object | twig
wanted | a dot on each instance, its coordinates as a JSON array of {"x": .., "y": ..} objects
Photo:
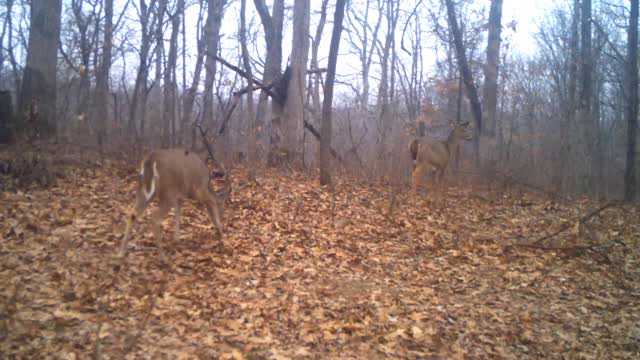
[
  {"x": 298, "y": 207},
  {"x": 582, "y": 220}
]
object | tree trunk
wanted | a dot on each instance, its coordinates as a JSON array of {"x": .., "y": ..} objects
[
  {"x": 291, "y": 126},
  {"x": 38, "y": 92},
  {"x": 102, "y": 80},
  {"x": 212, "y": 32},
  {"x": 589, "y": 126},
  {"x": 143, "y": 67},
  {"x": 169, "y": 108},
  {"x": 467, "y": 77},
  {"x": 490, "y": 91},
  {"x": 272, "y": 25},
  {"x": 190, "y": 95},
  {"x": 252, "y": 154},
  {"x": 326, "y": 130},
  {"x": 630, "y": 186},
  {"x": 387, "y": 66}
]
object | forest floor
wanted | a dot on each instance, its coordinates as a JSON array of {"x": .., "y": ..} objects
[{"x": 303, "y": 271}]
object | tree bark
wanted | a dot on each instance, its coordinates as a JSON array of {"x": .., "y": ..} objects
[
  {"x": 143, "y": 67},
  {"x": 294, "y": 104},
  {"x": 190, "y": 94},
  {"x": 630, "y": 185},
  {"x": 102, "y": 80},
  {"x": 251, "y": 124},
  {"x": 272, "y": 25},
  {"x": 169, "y": 108},
  {"x": 212, "y": 33},
  {"x": 586, "y": 92},
  {"x": 467, "y": 77},
  {"x": 490, "y": 92},
  {"x": 326, "y": 130},
  {"x": 38, "y": 92}
]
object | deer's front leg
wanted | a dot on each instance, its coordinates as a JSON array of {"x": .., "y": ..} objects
[
  {"x": 416, "y": 178},
  {"x": 157, "y": 217},
  {"x": 140, "y": 207},
  {"x": 212, "y": 209},
  {"x": 176, "y": 229}
]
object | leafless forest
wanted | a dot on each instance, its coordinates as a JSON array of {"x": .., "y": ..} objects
[{"x": 373, "y": 178}]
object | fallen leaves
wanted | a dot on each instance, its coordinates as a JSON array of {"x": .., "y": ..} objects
[{"x": 303, "y": 272}]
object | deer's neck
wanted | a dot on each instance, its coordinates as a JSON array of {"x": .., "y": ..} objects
[{"x": 451, "y": 143}]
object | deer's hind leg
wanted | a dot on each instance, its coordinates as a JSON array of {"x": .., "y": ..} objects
[{"x": 156, "y": 218}]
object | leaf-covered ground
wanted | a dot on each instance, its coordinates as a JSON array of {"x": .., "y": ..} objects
[{"x": 306, "y": 272}]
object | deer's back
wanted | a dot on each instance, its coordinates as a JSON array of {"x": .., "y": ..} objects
[
  {"x": 181, "y": 172},
  {"x": 432, "y": 152}
]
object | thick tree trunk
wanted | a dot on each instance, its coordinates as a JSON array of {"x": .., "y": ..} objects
[
  {"x": 291, "y": 126},
  {"x": 630, "y": 185},
  {"x": 272, "y": 25},
  {"x": 326, "y": 130},
  {"x": 490, "y": 92},
  {"x": 38, "y": 92}
]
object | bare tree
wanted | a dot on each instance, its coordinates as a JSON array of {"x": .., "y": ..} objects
[
  {"x": 630, "y": 185},
  {"x": 190, "y": 95},
  {"x": 490, "y": 92},
  {"x": 272, "y": 25},
  {"x": 586, "y": 93},
  {"x": 38, "y": 92},
  {"x": 326, "y": 130},
  {"x": 291, "y": 125},
  {"x": 102, "y": 80},
  {"x": 363, "y": 41},
  {"x": 467, "y": 77},
  {"x": 215, "y": 12},
  {"x": 247, "y": 68},
  {"x": 169, "y": 111},
  {"x": 147, "y": 22}
]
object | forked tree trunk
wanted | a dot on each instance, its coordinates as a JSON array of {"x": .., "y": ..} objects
[{"x": 272, "y": 25}]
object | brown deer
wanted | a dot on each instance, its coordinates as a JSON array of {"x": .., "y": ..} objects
[
  {"x": 171, "y": 175},
  {"x": 428, "y": 152}
]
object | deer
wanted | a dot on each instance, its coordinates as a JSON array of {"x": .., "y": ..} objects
[
  {"x": 169, "y": 176},
  {"x": 427, "y": 152}
]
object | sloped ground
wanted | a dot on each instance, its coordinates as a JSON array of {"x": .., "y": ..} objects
[{"x": 305, "y": 273}]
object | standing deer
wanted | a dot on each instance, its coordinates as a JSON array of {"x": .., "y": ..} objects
[
  {"x": 171, "y": 175},
  {"x": 429, "y": 152}
]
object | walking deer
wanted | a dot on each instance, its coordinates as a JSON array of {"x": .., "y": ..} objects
[
  {"x": 170, "y": 176},
  {"x": 428, "y": 152}
]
